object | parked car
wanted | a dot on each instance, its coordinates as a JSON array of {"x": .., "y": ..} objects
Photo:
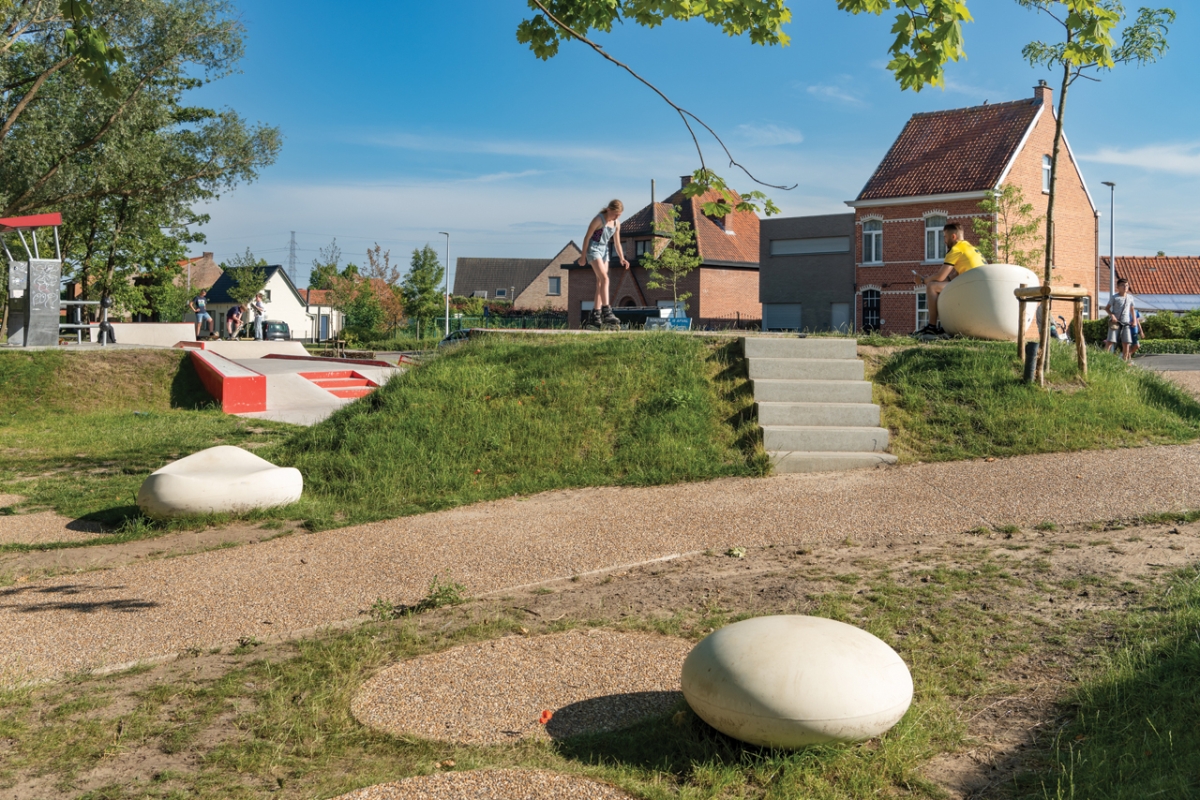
[
  {"x": 276, "y": 330},
  {"x": 455, "y": 337}
]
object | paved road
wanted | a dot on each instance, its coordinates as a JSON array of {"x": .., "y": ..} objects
[
  {"x": 284, "y": 586},
  {"x": 1170, "y": 363}
]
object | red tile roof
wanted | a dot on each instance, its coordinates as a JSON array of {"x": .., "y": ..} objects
[
  {"x": 1155, "y": 274},
  {"x": 315, "y": 297},
  {"x": 961, "y": 150},
  {"x": 714, "y": 243}
]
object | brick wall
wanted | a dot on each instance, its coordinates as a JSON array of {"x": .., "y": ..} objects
[
  {"x": 727, "y": 294},
  {"x": 718, "y": 293}
]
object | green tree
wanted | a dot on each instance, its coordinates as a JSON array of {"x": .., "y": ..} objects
[
  {"x": 325, "y": 266},
  {"x": 1088, "y": 46},
  {"x": 246, "y": 272},
  {"x": 112, "y": 143},
  {"x": 1012, "y": 234},
  {"x": 421, "y": 289},
  {"x": 677, "y": 259}
]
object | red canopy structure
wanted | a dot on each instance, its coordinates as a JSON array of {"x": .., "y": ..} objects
[{"x": 28, "y": 223}]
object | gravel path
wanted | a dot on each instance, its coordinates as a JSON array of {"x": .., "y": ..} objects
[
  {"x": 44, "y": 526},
  {"x": 496, "y": 691},
  {"x": 1188, "y": 381},
  {"x": 55, "y": 626},
  {"x": 490, "y": 784}
]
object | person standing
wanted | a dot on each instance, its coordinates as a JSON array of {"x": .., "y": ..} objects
[
  {"x": 199, "y": 305},
  {"x": 1121, "y": 320},
  {"x": 961, "y": 256},
  {"x": 605, "y": 227},
  {"x": 260, "y": 315}
]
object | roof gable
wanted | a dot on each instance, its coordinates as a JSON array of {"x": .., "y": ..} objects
[
  {"x": 490, "y": 274},
  {"x": 946, "y": 152},
  {"x": 219, "y": 292},
  {"x": 732, "y": 240}
]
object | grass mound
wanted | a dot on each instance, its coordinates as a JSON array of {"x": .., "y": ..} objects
[
  {"x": 506, "y": 416},
  {"x": 966, "y": 400}
]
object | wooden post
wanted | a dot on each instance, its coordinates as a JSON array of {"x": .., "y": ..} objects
[
  {"x": 1021, "y": 329},
  {"x": 1080, "y": 344}
]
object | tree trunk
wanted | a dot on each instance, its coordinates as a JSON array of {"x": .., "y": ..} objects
[{"x": 1044, "y": 333}]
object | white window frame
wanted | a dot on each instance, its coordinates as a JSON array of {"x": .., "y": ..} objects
[
  {"x": 501, "y": 293},
  {"x": 872, "y": 239},
  {"x": 1047, "y": 165},
  {"x": 554, "y": 285},
  {"x": 922, "y": 310},
  {"x": 935, "y": 242},
  {"x": 1087, "y": 308}
]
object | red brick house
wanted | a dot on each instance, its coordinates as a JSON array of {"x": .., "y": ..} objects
[
  {"x": 1158, "y": 283},
  {"x": 937, "y": 171},
  {"x": 725, "y": 286},
  {"x": 199, "y": 272}
]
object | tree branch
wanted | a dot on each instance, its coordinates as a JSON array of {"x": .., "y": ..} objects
[{"x": 683, "y": 112}]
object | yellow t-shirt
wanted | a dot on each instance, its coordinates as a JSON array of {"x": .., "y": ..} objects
[{"x": 963, "y": 256}]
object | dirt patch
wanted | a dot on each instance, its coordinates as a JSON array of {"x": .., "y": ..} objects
[
  {"x": 44, "y": 527},
  {"x": 1065, "y": 586},
  {"x": 1188, "y": 381}
]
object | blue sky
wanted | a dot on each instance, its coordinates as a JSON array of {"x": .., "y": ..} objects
[{"x": 402, "y": 119}]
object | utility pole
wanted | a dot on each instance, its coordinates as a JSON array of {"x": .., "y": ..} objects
[{"x": 292, "y": 258}]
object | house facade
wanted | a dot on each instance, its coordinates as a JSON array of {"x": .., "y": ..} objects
[
  {"x": 532, "y": 284},
  {"x": 939, "y": 170},
  {"x": 327, "y": 321},
  {"x": 283, "y": 301},
  {"x": 1158, "y": 283},
  {"x": 198, "y": 272},
  {"x": 806, "y": 273},
  {"x": 725, "y": 291}
]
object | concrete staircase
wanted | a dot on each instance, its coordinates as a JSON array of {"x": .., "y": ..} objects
[{"x": 814, "y": 407}]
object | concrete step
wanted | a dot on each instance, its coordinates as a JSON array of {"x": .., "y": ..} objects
[
  {"x": 801, "y": 461},
  {"x": 795, "y": 347},
  {"x": 781, "y": 391},
  {"x": 824, "y": 439},
  {"x": 799, "y": 369},
  {"x": 836, "y": 415}
]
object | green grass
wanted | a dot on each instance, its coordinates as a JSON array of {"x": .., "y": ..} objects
[
  {"x": 1133, "y": 731},
  {"x": 489, "y": 419},
  {"x": 518, "y": 415},
  {"x": 959, "y": 400}
]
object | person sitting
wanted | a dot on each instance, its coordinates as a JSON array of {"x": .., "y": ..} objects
[
  {"x": 233, "y": 322},
  {"x": 961, "y": 256}
]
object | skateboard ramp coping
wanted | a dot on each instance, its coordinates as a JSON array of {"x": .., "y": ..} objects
[{"x": 237, "y": 388}]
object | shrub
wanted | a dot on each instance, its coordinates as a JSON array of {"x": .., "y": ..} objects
[
  {"x": 1163, "y": 325},
  {"x": 1152, "y": 347},
  {"x": 1095, "y": 330}
]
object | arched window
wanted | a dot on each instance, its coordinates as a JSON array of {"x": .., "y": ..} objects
[
  {"x": 872, "y": 242},
  {"x": 1046, "y": 164},
  {"x": 935, "y": 243},
  {"x": 870, "y": 310}
]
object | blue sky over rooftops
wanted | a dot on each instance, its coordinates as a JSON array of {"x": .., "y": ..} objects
[{"x": 403, "y": 119}]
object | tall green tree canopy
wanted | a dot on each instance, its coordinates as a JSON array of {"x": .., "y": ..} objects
[
  {"x": 110, "y": 142},
  {"x": 421, "y": 288}
]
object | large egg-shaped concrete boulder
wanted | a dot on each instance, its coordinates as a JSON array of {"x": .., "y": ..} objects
[
  {"x": 980, "y": 303},
  {"x": 792, "y": 681},
  {"x": 218, "y": 480}
]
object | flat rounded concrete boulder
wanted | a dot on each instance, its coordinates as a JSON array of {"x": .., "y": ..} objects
[
  {"x": 793, "y": 681},
  {"x": 980, "y": 303},
  {"x": 218, "y": 480}
]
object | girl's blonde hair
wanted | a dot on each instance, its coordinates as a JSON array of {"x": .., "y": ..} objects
[{"x": 613, "y": 205}]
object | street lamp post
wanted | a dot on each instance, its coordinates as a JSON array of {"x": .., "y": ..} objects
[
  {"x": 446, "y": 331},
  {"x": 1112, "y": 235}
]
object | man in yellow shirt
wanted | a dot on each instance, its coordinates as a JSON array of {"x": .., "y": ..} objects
[{"x": 961, "y": 256}]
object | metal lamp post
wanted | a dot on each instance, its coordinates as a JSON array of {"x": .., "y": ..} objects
[
  {"x": 447, "y": 289},
  {"x": 1112, "y": 235}
]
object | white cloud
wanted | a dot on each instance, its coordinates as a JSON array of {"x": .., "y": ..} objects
[
  {"x": 1179, "y": 159},
  {"x": 769, "y": 135},
  {"x": 506, "y": 176},
  {"x": 835, "y": 94},
  {"x": 979, "y": 93},
  {"x": 500, "y": 147}
]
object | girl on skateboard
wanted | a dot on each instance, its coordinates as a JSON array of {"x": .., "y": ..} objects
[{"x": 605, "y": 226}]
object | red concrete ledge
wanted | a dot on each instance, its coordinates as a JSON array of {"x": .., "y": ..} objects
[
  {"x": 366, "y": 362},
  {"x": 238, "y": 389}
]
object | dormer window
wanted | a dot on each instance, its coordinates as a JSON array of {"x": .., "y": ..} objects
[{"x": 641, "y": 246}]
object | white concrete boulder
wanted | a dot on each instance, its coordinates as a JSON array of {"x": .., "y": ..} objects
[
  {"x": 980, "y": 303},
  {"x": 793, "y": 681},
  {"x": 218, "y": 480}
]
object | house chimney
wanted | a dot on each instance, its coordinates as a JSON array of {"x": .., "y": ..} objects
[
  {"x": 684, "y": 180},
  {"x": 1042, "y": 93}
]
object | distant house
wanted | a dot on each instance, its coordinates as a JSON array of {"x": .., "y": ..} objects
[
  {"x": 937, "y": 171},
  {"x": 283, "y": 301},
  {"x": 529, "y": 283},
  {"x": 327, "y": 321},
  {"x": 198, "y": 272},
  {"x": 1160, "y": 283},
  {"x": 806, "y": 273},
  {"x": 725, "y": 286}
]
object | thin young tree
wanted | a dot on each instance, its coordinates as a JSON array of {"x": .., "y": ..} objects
[
  {"x": 1010, "y": 234},
  {"x": 246, "y": 272},
  {"x": 677, "y": 259},
  {"x": 1088, "y": 46}
]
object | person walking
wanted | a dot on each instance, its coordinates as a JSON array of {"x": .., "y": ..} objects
[
  {"x": 604, "y": 228},
  {"x": 260, "y": 315},
  {"x": 199, "y": 305},
  {"x": 1121, "y": 320}
]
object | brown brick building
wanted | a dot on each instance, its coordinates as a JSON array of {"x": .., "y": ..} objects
[
  {"x": 725, "y": 286},
  {"x": 937, "y": 171}
]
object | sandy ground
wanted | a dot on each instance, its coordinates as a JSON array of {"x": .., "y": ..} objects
[{"x": 287, "y": 586}]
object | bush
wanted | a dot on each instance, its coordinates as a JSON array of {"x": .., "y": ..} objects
[
  {"x": 1163, "y": 325},
  {"x": 1154, "y": 347},
  {"x": 1095, "y": 330}
]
